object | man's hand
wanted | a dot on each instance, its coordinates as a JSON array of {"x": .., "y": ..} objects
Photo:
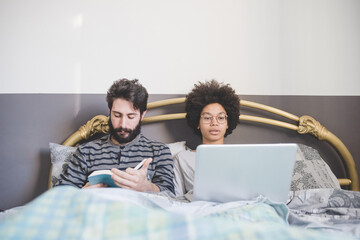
[
  {"x": 134, "y": 179},
  {"x": 99, "y": 185}
]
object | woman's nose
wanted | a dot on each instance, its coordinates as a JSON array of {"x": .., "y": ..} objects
[{"x": 213, "y": 121}]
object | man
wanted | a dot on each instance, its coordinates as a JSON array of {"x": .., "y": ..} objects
[{"x": 124, "y": 148}]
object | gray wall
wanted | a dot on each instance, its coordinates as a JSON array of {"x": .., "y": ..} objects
[{"x": 30, "y": 121}]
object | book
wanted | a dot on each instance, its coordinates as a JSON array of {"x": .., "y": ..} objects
[{"x": 102, "y": 176}]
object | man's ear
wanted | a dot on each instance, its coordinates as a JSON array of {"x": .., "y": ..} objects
[{"x": 143, "y": 114}]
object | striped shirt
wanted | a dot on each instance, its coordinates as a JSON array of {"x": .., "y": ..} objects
[{"x": 103, "y": 154}]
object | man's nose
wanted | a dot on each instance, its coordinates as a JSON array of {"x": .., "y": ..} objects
[{"x": 123, "y": 122}]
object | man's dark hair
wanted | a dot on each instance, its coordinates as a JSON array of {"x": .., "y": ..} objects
[
  {"x": 130, "y": 90},
  {"x": 212, "y": 92}
]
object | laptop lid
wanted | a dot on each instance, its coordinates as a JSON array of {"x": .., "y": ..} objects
[{"x": 233, "y": 172}]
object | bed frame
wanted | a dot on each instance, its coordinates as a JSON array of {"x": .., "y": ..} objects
[{"x": 302, "y": 125}]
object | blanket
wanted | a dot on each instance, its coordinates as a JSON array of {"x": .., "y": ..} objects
[
  {"x": 68, "y": 213},
  {"x": 329, "y": 209}
]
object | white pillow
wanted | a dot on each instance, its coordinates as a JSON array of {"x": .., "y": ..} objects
[
  {"x": 60, "y": 156},
  {"x": 311, "y": 171},
  {"x": 177, "y": 147}
]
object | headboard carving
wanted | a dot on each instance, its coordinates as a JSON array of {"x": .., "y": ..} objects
[
  {"x": 94, "y": 126},
  {"x": 308, "y": 124},
  {"x": 98, "y": 124}
]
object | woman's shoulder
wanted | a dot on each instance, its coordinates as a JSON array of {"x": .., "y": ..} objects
[
  {"x": 184, "y": 154},
  {"x": 185, "y": 158}
]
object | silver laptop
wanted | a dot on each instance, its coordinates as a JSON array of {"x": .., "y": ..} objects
[{"x": 233, "y": 172}]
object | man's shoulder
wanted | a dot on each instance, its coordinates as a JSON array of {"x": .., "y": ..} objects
[
  {"x": 145, "y": 141},
  {"x": 96, "y": 143}
]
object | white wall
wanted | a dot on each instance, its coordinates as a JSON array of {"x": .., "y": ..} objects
[{"x": 289, "y": 47}]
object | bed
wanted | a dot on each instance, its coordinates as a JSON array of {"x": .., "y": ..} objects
[{"x": 320, "y": 205}]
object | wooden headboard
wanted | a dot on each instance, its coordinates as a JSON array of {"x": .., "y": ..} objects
[{"x": 301, "y": 125}]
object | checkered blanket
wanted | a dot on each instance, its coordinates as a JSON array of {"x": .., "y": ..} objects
[{"x": 69, "y": 213}]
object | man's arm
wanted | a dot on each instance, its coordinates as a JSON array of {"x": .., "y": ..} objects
[
  {"x": 75, "y": 173},
  {"x": 135, "y": 179},
  {"x": 164, "y": 170}
]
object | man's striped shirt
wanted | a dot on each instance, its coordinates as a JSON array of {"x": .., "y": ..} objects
[{"x": 103, "y": 154}]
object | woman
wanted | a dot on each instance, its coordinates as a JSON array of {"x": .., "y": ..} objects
[{"x": 212, "y": 111}]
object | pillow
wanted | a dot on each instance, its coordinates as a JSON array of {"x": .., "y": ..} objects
[
  {"x": 177, "y": 147},
  {"x": 60, "y": 156},
  {"x": 311, "y": 171}
]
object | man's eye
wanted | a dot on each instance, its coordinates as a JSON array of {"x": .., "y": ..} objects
[
  {"x": 117, "y": 115},
  {"x": 131, "y": 116},
  {"x": 221, "y": 118},
  {"x": 207, "y": 118}
]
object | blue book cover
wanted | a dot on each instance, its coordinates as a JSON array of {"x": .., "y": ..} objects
[{"x": 101, "y": 176}]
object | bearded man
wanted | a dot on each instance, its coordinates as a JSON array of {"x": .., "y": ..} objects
[{"x": 124, "y": 148}]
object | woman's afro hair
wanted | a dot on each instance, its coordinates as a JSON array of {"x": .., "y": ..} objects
[{"x": 209, "y": 92}]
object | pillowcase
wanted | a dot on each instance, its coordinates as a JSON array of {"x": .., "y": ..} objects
[
  {"x": 177, "y": 147},
  {"x": 60, "y": 156},
  {"x": 311, "y": 171}
]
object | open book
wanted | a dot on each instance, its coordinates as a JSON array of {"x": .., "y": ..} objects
[{"x": 101, "y": 176}]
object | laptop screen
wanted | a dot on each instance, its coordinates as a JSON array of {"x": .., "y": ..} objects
[{"x": 233, "y": 172}]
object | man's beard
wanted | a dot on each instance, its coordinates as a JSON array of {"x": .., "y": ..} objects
[{"x": 132, "y": 133}]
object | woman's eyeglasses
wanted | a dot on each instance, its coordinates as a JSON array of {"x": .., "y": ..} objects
[{"x": 207, "y": 118}]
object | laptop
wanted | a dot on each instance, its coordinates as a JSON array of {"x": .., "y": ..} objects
[{"x": 234, "y": 172}]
